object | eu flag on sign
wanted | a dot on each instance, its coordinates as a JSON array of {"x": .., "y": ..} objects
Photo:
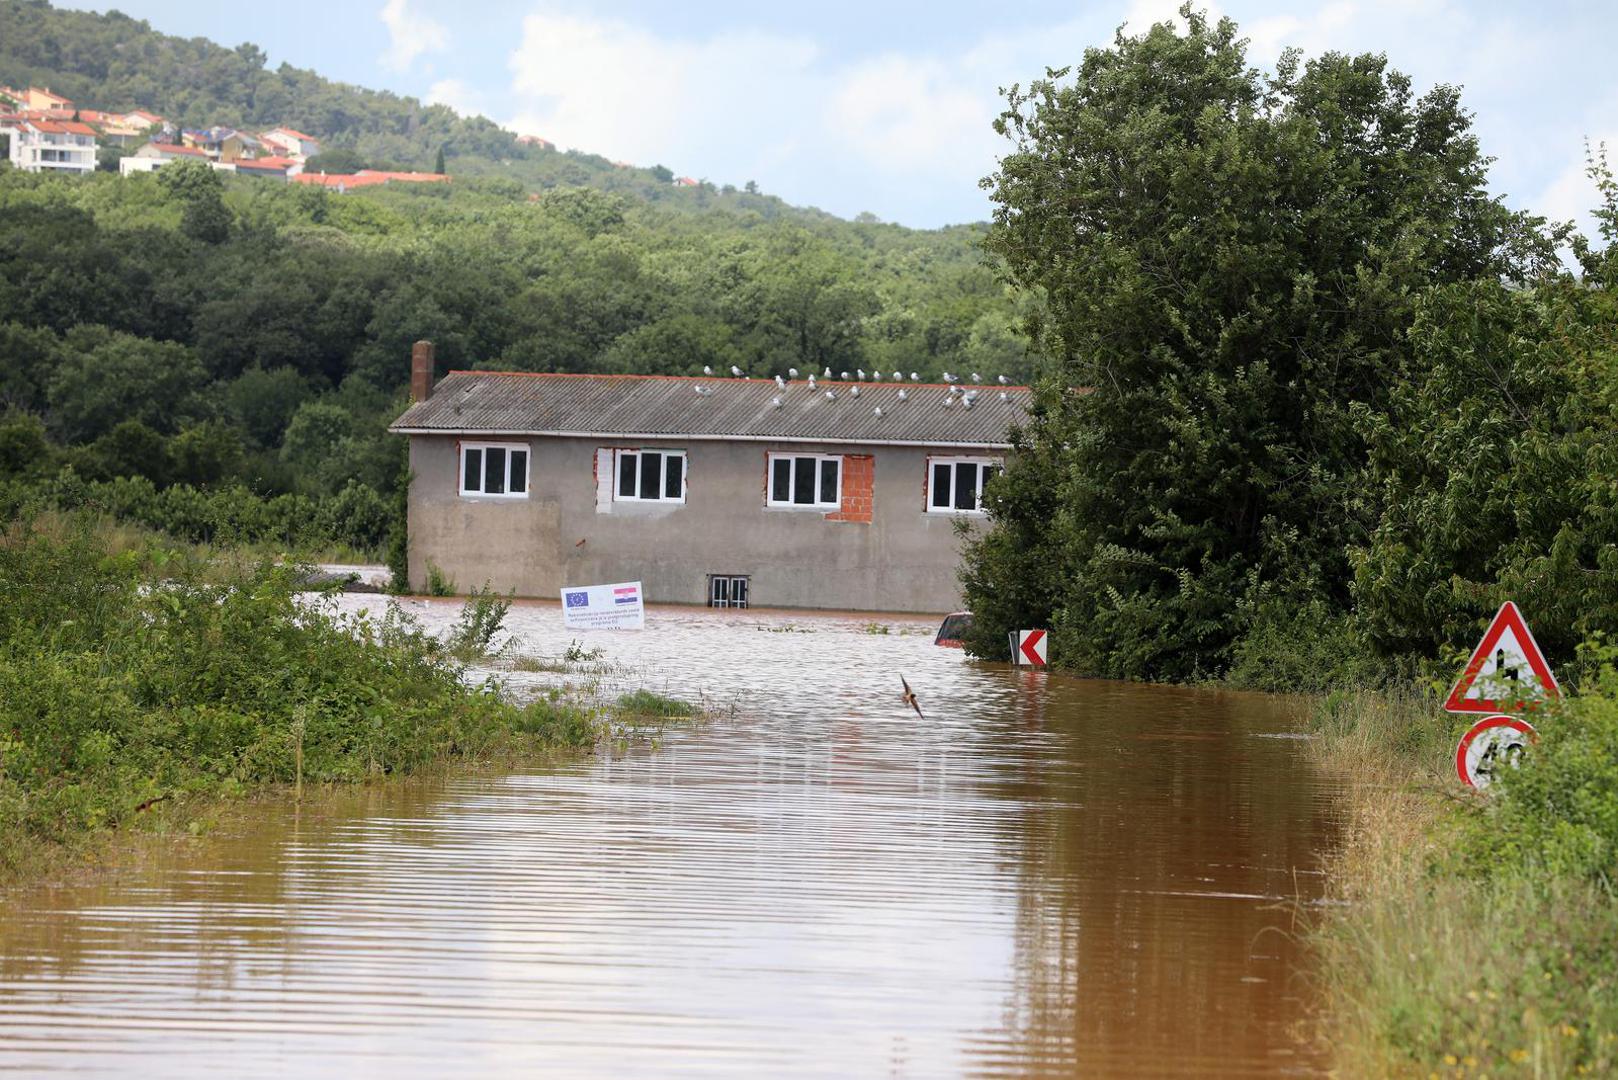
[{"x": 578, "y": 599}]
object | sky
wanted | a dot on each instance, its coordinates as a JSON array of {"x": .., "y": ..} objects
[{"x": 886, "y": 107}]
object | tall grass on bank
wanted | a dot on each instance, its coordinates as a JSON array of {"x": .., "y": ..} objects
[
  {"x": 138, "y": 679},
  {"x": 1472, "y": 934}
]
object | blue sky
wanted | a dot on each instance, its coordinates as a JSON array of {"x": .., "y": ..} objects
[{"x": 885, "y": 107}]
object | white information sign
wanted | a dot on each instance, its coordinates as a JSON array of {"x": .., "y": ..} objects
[{"x": 604, "y": 607}]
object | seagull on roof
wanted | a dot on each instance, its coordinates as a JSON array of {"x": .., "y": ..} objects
[
  {"x": 811, "y": 380},
  {"x": 1004, "y": 381},
  {"x": 854, "y": 390},
  {"x": 915, "y": 377},
  {"x": 952, "y": 391},
  {"x": 845, "y": 376},
  {"x": 831, "y": 395},
  {"x": 948, "y": 400},
  {"x": 904, "y": 395},
  {"x": 826, "y": 374},
  {"x": 971, "y": 395},
  {"x": 792, "y": 373},
  {"x": 735, "y": 371},
  {"x": 876, "y": 376},
  {"x": 780, "y": 382},
  {"x": 877, "y": 412},
  {"x": 706, "y": 370},
  {"x": 775, "y": 403},
  {"x": 1004, "y": 396},
  {"x": 861, "y": 373},
  {"x": 703, "y": 390},
  {"x": 898, "y": 376},
  {"x": 976, "y": 377},
  {"x": 968, "y": 403},
  {"x": 949, "y": 378}
]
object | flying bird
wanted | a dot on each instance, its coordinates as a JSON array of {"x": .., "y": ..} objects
[{"x": 910, "y": 697}]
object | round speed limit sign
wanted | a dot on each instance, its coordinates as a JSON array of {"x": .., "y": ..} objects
[{"x": 1491, "y": 744}]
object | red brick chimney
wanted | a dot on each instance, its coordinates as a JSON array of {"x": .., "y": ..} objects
[{"x": 421, "y": 371}]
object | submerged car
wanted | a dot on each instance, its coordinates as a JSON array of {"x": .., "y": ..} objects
[{"x": 953, "y": 630}]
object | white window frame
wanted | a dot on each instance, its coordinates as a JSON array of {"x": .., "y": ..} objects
[
  {"x": 662, "y": 481},
  {"x": 792, "y": 482},
  {"x": 508, "y": 447},
  {"x": 954, "y": 462}
]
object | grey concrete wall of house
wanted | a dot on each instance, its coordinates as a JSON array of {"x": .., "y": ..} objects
[{"x": 904, "y": 560}]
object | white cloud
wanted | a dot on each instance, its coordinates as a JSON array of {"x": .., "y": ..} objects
[
  {"x": 410, "y": 34},
  {"x": 458, "y": 95}
]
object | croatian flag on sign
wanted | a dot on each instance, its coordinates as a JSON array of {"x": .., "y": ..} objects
[{"x": 626, "y": 595}]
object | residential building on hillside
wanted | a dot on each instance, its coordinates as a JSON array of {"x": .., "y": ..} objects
[
  {"x": 726, "y": 492},
  {"x": 51, "y": 145},
  {"x": 346, "y": 182},
  {"x": 36, "y": 98},
  {"x": 292, "y": 142},
  {"x": 222, "y": 143},
  {"x": 142, "y": 119},
  {"x": 154, "y": 155}
]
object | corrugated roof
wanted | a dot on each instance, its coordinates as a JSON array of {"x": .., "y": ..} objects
[{"x": 484, "y": 402}]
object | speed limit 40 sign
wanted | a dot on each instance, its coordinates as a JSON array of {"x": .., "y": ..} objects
[{"x": 1490, "y": 745}]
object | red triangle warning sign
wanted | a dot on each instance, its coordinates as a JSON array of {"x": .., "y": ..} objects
[{"x": 1507, "y": 672}]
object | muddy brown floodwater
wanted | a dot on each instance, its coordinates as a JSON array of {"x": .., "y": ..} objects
[{"x": 1047, "y": 877}]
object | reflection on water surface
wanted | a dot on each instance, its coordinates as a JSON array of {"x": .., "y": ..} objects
[{"x": 1047, "y": 877}]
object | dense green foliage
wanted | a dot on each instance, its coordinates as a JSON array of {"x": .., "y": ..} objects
[
  {"x": 1298, "y": 390},
  {"x": 130, "y": 680}
]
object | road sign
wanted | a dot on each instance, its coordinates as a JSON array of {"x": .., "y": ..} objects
[
  {"x": 1029, "y": 648},
  {"x": 1507, "y": 671},
  {"x": 1489, "y": 744}
]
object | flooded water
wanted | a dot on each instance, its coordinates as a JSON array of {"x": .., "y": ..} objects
[{"x": 1045, "y": 877}]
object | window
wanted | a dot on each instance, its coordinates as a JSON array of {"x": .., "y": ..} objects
[
  {"x": 955, "y": 485},
  {"x": 805, "y": 480},
  {"x": 651, "y": 475},
  {"x": 495, "y": 469},
  {"x": 727, "y": 590}
]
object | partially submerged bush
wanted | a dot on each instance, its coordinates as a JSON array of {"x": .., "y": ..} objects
[
  {"x": 645, "y": 703},
  {"x": 118, "y": 689}
]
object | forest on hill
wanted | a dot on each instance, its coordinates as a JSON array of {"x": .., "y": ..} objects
[{"x": 113, "y": 62}]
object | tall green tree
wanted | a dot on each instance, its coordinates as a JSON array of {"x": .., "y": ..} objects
[{"x": 1227, "y": 264}]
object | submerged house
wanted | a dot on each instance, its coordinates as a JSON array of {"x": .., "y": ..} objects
[{"x": 725, "y": 492}]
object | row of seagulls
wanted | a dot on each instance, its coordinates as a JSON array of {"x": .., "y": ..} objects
[{"x": 859, "y": 374}]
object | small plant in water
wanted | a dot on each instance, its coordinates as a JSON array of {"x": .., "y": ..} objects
[
  {"x": 479, "y": 622},
  {"x": 438, "y": 584},
  {"x": 578, "y": 654},
  {"x": 876, "y": 628}
]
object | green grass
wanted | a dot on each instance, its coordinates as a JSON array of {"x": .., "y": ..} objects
[
  {"x": 644, "y": 704},
  {"x": 1473, "y": 935},
  {"x": 134, "y": 678}
]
